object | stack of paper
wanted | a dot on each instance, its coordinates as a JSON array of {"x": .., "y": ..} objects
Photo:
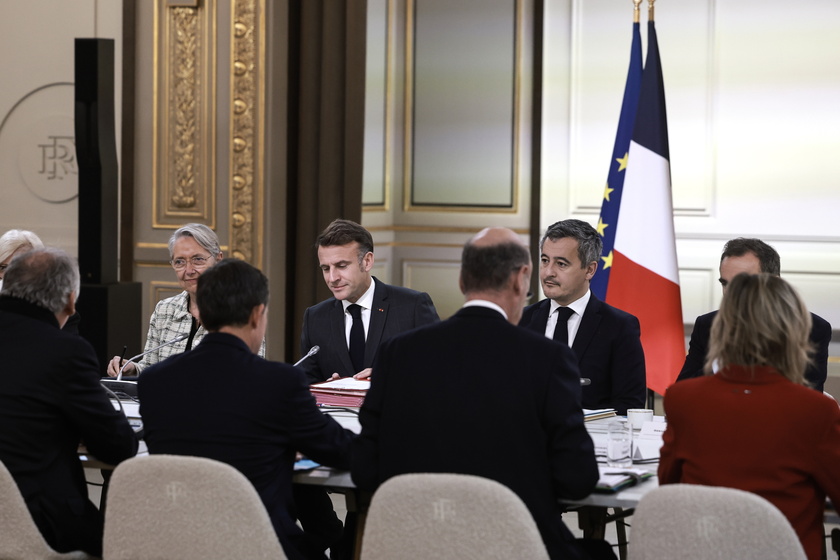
[
  {"x": 341, "y": 392},
  {"x": 597, "y": 414}
]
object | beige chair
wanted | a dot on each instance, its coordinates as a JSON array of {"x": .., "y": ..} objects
[
  {"x": 710, "y": 523},
  {"x": 448, "y": 516},
  {"x": 20, "y": 538},
  {"x": 190, "y": 508}
]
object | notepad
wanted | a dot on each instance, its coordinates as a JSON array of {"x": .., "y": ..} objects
[{"x": 614, "y": 479}]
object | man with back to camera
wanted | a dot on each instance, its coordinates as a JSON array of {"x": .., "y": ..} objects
[
  {"x": 345, "y": 256},
  {"x": 254, "y": 414},
  {"x": 753, "y": 256},
  {"x": 51, "y": 399},
  {"x": 605, "y": 339},
  {"x": 349, "y": 328},
  {"x": 472, "y": 406}
]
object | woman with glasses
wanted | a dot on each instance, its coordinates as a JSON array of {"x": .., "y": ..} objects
[{"x": 193, "y": 248}]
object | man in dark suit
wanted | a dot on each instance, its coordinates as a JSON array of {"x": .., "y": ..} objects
[
  {"x": 753, "y": 256},
  {"x": 453, "y": 397},
  {"x": 222, "y": 401},
  {"x": 345, "y": 255},
  {"x": 349, "y": 328},
  {"x": 51, "y": 399},
  {"x": 605, "y": 340}
]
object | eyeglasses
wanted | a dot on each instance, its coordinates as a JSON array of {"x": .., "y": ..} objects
[{"x": 197, "y": 262}]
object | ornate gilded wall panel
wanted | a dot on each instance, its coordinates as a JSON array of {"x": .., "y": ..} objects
[
  {"x": 184, "y": 188},
  {"x": 247, "y": 76}
]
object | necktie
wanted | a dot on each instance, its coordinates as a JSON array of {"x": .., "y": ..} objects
[
  {"x": 561, "y": 329},
  {"x": 357, "y": 338}
]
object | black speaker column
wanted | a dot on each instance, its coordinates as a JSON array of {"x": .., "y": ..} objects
[{"x": 110, "y": 310}]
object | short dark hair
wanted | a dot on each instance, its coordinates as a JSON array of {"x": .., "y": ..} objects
[
  {"x": 344, "y": 232},
  {"x": 43, "y": 277},
  {"x": 227, "y": 293},
  {"x": 489, "y": 267},
  {"x": 589, "y": 241},
  {"x": 768, "y": 258}
]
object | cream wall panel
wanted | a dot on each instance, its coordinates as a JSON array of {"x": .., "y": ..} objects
[
  {"x": 462, "y": 140},
  {"x": 439, "y": 279},
  {"x": 40, "y": 185},
  {"x": 480, "y": 128}
]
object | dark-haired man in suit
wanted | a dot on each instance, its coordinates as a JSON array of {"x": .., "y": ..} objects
[
  {"x": 349, "y": 328},
  {"x": 475, "y": 407},
  {"x": 248, "y": 412},
  {"x": 753, "y": 256},
  {"x": 605, "y": 339},
  {"x": 345, "y": 255}
]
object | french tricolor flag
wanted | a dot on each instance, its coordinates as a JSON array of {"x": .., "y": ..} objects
[{"x": 643, "y": 277}]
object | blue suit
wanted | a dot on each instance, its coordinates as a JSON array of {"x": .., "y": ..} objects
[{"x": 608, "y": 350}]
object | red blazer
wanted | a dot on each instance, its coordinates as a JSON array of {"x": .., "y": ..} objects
[{"x": 759, "y": 432}]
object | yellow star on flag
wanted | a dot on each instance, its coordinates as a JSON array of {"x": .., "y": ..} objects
[
  {"x": 601, "y": 227},
  {"x": 607, "y": 191},
  {"x": 607, "y": 261},
  {"x": 622, "y": 162}
]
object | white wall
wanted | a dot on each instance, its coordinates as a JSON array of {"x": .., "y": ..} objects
[{"x": 752, "y": 89}]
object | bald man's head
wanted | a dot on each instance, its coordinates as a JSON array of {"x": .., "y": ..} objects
[{"x": 489, "y": 259}]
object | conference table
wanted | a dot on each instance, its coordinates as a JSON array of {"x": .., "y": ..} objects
[
  {"x": 625, "y": 498},
  {"x": 593, "y": 511}
]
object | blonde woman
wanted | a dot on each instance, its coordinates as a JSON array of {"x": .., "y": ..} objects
[
  {"x": 15, "y": 242},
  {"x": 755, "y": 425}
]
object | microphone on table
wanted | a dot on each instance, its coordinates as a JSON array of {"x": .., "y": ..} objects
[
  {"x": 141, "y": 354},
  {"x": 585, "y": 381},
  {"x": 312, "y": 352}
]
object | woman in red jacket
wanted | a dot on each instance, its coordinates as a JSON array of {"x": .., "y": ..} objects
[{"x": 755, "y": 425}]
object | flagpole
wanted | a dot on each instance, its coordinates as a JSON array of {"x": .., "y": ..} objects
[
  {"x": 636, "y": 10},
  {"x": 650, "y": 9}
]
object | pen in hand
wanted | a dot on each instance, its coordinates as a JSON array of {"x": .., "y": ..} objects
[{"x": 122, "y": 356}]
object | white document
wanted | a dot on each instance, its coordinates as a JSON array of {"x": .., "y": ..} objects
[{"x": 346, "y": 383}]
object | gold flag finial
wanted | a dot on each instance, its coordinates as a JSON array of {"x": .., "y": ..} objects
[
  {"x": 636, "y": 10},
  {"x": 650, "y": 9}
]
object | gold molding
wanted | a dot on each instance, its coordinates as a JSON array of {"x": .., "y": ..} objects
[
  {"x": 390, "y": 72},
  {"x": 408, "y": 145},
  {"x": 247, "y": 113},
  {"x": 165, "y": 246},
  {"x": 440, "y": 229},
  {"x": 184, "y": 121}
]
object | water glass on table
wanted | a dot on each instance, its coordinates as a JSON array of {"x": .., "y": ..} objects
[{"x": 619, "y": 444}]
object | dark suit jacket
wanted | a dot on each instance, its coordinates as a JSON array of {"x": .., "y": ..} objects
[
  {"x": 456, "y": 397},
  {"x": 394, "y": 310},
  {"x": 699, "y": 345},
  {"x": 609, "y": 352},
  {"x": 221, "y": 401},
  {"x": 50, "y": 400}
]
